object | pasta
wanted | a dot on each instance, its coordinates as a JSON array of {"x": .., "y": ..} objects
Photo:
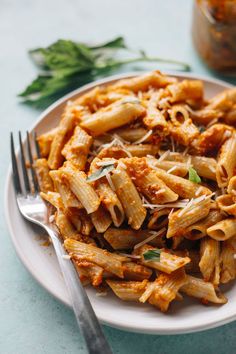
[{"x": 141, "y": 178}]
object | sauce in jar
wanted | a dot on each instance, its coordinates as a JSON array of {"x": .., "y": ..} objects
[{"x": 214, "y": 33}]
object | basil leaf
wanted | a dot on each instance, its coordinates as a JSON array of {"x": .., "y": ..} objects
[
  {"x": 152, "y": 255},
  {"x": 66, "y": 65},
  {"x": 193, "y": 176},
  {"x": 100, "y": 173}
]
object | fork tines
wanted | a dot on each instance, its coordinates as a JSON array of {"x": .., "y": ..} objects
[{"x": 28, "y": 186}]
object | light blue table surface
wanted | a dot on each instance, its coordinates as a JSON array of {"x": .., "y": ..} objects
[{"x": 31, "y": 321}]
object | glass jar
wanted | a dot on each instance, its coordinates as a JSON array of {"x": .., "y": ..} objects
[{"x": 214, "y": 33}]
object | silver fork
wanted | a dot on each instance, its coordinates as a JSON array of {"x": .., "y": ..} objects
[{"x": 32, "y": 208}]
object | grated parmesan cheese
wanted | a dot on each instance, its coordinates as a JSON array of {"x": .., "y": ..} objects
[
  {"x": 172, "y": 169},
  {"x": 109, "y": 180},
  {"x": 66, "y": 256},
  {"x": 164, "y": 155},
  {"x": 106, "y": 163},
  {"x": 150, "y": 238},
  {"x": 145, "y": 137}
]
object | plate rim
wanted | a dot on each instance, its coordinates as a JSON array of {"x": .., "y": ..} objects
[{"x": 24, "y": 261}]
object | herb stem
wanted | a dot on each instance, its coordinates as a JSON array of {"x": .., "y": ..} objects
[{"x": 183, "y": 66}]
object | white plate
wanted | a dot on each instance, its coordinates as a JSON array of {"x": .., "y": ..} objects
[{"x": 188, "y": 316}]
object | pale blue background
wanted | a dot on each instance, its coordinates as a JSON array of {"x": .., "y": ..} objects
[{"x": 31, "y": 321}]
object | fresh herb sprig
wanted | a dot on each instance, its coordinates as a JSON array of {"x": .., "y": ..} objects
[
  {"x": 193, "y": 176},
  {"x": 152, "y": 255},
  {"x": 66, "y": 65},
  {"x": 100, "y": 173}
]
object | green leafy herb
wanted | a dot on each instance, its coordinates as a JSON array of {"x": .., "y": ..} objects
[
  {"x": 152, "y": 255},
  {"x": 193, "y": 176},
  {"x": 66, "y": 65},
  {"x": 100, "y": 173},
  {"x": 201, "y": 128}
]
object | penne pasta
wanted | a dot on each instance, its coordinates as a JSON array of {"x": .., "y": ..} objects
[
  {"x": 108, "y": 261},
  {"x": 228, "y": 262},
  {"x": 210, "y": 260},
  {"x": 205, "y": 291},
  {"x": 45, "y": 141},
  {"x": 127, "y": 290},
  {"x": 226, "y": 161},
  {"x": 129, "y": 197},
  {"x": 181, "y": 219},
  {"x": 77, "y": 148},
  {"x": 65, "y": 127},
  {"x": 81, "y": 188},
  {"x": 183, "y": 187},
  {"x": 222, "y": 230},
  {"x": 227, "y": 203},
  {"x": 43, "y": 176},
  {"x": 116, "y": 115},
  {"x": 125, "y": 239},
  {"x": 168, "y": 262},
  {"x": 199, "y": 230},
  {"x": 148, "y": 182},
  {"x": 164, "y": 289},
  {"x": 181, "y": 127}
]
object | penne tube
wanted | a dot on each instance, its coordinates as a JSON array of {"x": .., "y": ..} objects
[
  {"x": 89, "y": 271},
  {"x": 81, "y": 188},
  {"x": 175, "y": 168},
  {"x": 183, "y": 187},
  {"x": 230, "y": 116},
  {"x": 113, "y": 116},
  {"x": 43, "y": 177},
  {"x": 224, "y": 101},
  {"x": 164, "y": 289},
  {"x": 53, "y": 198},
  {"x": 131, "y": 134},
  {"x": 86, "y": 223},
  {"x": 204, "y": 166},
  {"x": 65, "y": 127},
  {"x": 111, "y": 202},
  {"x": 212, "y": 138},
  {"x": 168, "y": 262},
  {"x": 186, "y": 90},
  {"x": 143, "y": 82},
  {"x": 108, "y": 197},
  {"x": 232, "y": 186},
  {"x": 125, "y": 239},
  {"x": 226, "y": 161},
  {"x": 129, "y": 197},
  {"x": 62, "y": 187},
  {"x": 181, "y": 127},
  {"x": 205, "y": 291},
  {"x": 199, "y": 230},
  {"x": 127, "y": 290},
  {"x": 66, "y": 228},
  {"x": 118, "y": 152},
  {"x": 228, "y": 262},
  {"x": 77, "y": 148},
  {"x": 146, "y": 180},
  {"x": 108, "y": 261},
  {"x": 158, "y": 219},
  {"x": 101, "y": 219},
  {"x": 133, "y": 271},
  {"x": 223, "y": 230},
  {"x": 45, "y": 141},
  {"x": 210, "y": 260},
  {"x": 180, "y": 220},
  {"x": 227, "y": 203},
  {"x": 154, "y": 117}
]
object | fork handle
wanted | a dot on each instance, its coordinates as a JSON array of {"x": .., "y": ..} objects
[{"x": 84, "y": 313}]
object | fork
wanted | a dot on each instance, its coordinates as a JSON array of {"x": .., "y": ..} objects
[{"x": 33, "y": 208}]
